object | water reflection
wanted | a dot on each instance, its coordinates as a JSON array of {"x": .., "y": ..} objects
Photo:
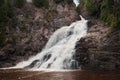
[{"x": 60, "y": 75}]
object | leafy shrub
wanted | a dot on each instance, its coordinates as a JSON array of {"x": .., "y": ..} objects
[
  {"x": 41, "y": 3},
  {"x": 6, "y": 14},
  {"x": 108, "y": 14},
  {"x": 3, "y": 16},
  {"x": 9, "y": 8},
  {"x": 2, "y": 2},
  {"x": 106, "y": 11},
  {"x": 69, "y": 1},
  {"x": 2, "y": 39},
  {"x": 78, "y": 10},
  {"x": 58, "y": 1},
  {"x": 19, "y": 3},
  {"x": 91, "y": 7}
]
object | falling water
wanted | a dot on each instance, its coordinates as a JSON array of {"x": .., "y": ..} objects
[
  {"x": 76, "y": 2},
  {"x": 59, "y": 50}
]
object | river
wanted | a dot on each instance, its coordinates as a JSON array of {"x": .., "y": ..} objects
[{"x": 21, "y": 74}]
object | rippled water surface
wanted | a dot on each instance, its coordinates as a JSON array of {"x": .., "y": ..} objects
[{"x": 20, "y": 74}]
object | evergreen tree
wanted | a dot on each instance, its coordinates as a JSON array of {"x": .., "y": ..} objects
[
  {"x": 19, "y": 3},
  {"x": 41, "y": 3}
]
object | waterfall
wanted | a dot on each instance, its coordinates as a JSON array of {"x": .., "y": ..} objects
[
  {"x": 76, "y": 2},
  {"x": 59, "y": 50}
]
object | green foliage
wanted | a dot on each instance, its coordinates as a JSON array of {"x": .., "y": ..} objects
[
  {"x": 6, "y": 14},
  {"x": 19, "y": 3},
  {"x": 6, "y": 11},
  {"x": 9, "y": 8},
  {"x": 2, "y": 39},
  {"x": 91, "y": 7},
  {"x": 69, "y": 1},
  {"x": 41, "y": 3},
  {"x": 78, "y": 10},
  {"x": 58, "y": 1},
  {"x": 108, "y": 14},
  {"x": 14, "y": 21},
  {"x": 3, "y": 16},
  {"x": 2, "y": 2},
  {"x": 106, "y": 11}
]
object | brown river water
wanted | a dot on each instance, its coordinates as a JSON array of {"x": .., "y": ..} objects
[{"x": 20, "y": 74}]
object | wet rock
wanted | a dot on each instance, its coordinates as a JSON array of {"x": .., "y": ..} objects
[{"x": 32, "y": 64}]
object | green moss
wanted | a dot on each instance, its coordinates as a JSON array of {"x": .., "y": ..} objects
[
  {"x": 41, "y": 3},
  {"x": 91, "y": 7}
]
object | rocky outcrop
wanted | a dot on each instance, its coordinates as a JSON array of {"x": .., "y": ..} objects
[
  {"x": 34, "y": 26},
  {"x": 99, "y": 49}
]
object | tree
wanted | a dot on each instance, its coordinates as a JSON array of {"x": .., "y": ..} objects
[
  {"x": 41, "y": 3},
  {"x": 19, "y": 3}
]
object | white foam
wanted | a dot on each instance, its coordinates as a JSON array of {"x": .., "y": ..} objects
[{"x": 58, "y": 52}]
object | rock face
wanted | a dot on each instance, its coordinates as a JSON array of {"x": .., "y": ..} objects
[
  {"x": 98, "y": 49},
  {"x": 34, "y": 26}
]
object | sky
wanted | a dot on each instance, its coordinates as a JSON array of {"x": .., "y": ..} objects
[
  {"x": 29, "y": 0},
  {"x": 76, "y": 2}
]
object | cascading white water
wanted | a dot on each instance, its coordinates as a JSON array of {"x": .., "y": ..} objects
[{"x": 58, "y": 52}]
